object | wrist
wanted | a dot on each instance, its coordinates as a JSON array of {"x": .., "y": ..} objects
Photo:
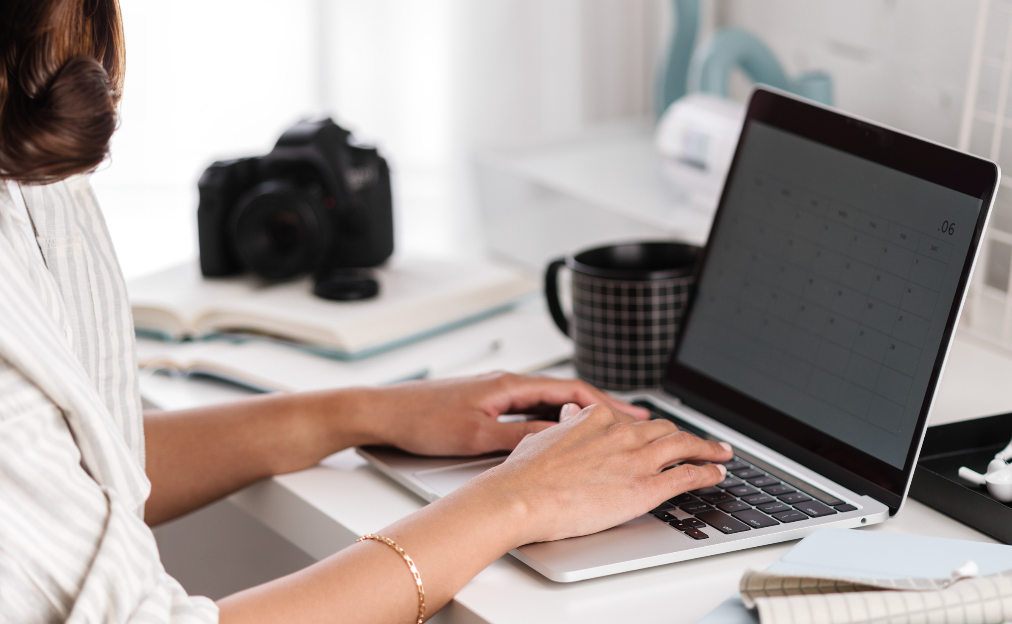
[
  {"x": 512, "y": 510},
  {"x": 345, "y": 418}
]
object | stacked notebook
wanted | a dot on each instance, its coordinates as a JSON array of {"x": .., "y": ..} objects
[
  {"x": 417, "y": 298},
  {"x": 270, "y": 336}
]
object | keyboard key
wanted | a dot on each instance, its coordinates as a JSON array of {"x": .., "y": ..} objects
[
  {"x": 791, "y": 480},
  {"x": 666, "y": 505},
  {"x": 763, "y": 481},
  {"x": 682, "y": 499},
  {"x": 735, "y": 465},
  {"x": 742, "y": 490},
  {"x": 665, "y": 516},
  {"x": 795, "y": 497},
  {"x": 774, "y": 507},
  {"x": 747, "y": 473},
  {"x": 706, "y": 490},
  {"x": 736, "y": 505},
  {"x": 680, "y": 525},
  {"x": 777, "y": 490},
  {"x": 790, "y": 516},
  {"x": 815, "y": 509},
  {"x": 729, "y": 483},
  {"x": 723, "y": 522},
  {"x": 845, "y": 507},
  {"x": 693, "y": 523},
  {"x": 720, "y": 497},
  {"x": 755, "y": 519},
  {"x": 695, "y": 508},
  {"x": 828, "y": 499},
  {"x": 757, "y": 499},
  {"x": 696, "y": 534}
]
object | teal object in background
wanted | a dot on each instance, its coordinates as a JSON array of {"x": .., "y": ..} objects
[
  {"x": 711, "y": 66},
  {"x": 674, "y": 78},
  {"x": 708, "y": 69}
]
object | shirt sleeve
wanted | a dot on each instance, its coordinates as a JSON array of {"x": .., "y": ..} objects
[{"x": 70, "y": 551}]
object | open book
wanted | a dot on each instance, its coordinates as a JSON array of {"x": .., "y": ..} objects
[{"x": 417, "y": 298}]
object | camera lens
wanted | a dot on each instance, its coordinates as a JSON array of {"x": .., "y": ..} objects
[{"x": 280, "y": 229}]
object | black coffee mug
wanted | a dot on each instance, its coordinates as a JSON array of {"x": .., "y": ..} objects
[{"x": 627, "y": 305}]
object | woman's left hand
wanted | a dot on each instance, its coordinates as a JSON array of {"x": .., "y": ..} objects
[{"x": 460, "y": 416}]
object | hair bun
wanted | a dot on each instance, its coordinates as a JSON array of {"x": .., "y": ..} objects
[{"x": 63, "y": 130}]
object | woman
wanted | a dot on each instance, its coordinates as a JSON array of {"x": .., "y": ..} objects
[{"x": 83, "y": 473}]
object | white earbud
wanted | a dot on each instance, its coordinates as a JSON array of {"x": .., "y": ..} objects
[
  {"x": 998, "y": 478},
  {"x": 972, "y": 476},
  {"x": 1006, "y": 454}
]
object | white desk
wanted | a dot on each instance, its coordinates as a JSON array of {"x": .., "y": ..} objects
[{"x": 324, "y": 508}]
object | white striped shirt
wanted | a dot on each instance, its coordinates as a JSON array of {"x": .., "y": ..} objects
[{"x": 73, "y": 546}]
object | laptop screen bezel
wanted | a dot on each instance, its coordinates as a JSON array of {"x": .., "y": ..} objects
[{"x": 845, "y": 464}]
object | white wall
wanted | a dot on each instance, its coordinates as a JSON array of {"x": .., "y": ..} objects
[
  {"x": 204, "y": 79},
  {"x": 427, "y": 81},
  {"x": 430, "y": 81},
  {"x": 900, "y": 62}
]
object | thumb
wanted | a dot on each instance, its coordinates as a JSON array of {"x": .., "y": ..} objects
[{"x": 568, "y": 411}]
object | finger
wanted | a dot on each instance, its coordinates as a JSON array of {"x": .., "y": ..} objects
[
  {"x": 682, "y": 446},
  {"x": 602, "y": 415},
  {"x": 637, "y": 412},
  {"x": 524, "y": 392},
  {"x": 689, "y": 477},
  {"x": 506, "y": 436},
  {"x": 569, "y": 410}
]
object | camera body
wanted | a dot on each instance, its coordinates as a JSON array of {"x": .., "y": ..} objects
[{"x": 316, "y": 203}]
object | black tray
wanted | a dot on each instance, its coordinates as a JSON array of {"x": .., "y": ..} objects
[{"x": 971, "y": 443}]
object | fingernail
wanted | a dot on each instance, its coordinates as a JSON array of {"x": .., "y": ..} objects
[
  {"x": 568, "y": 411},
  {"x": 723, "y": 469},
  {"x": 727, "y": 447}
]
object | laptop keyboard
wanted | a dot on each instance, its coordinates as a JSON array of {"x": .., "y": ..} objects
[{"x": 753, "y": 496}]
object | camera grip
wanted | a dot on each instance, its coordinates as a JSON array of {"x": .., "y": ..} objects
[{"x": 552, "y": 294}]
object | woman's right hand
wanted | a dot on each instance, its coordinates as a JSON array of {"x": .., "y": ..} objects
[{"x": 598, "y": 468}]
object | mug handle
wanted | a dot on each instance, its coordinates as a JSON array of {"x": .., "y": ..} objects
[{"x": 552, "y": 294}]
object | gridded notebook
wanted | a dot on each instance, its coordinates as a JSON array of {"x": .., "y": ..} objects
[
  {"x": 845, "y": 575},
  {"x": 796, "y": 599}
]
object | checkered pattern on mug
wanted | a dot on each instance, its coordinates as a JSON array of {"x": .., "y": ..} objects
[{"x": 624, "y": 330}]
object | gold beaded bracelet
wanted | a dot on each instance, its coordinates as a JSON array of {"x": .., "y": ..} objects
[{"x": 411, "y": 566}]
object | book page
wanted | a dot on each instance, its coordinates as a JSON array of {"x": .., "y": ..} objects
[{"x": 169, "y": 302}]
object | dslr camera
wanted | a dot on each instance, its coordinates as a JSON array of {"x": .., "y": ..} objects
[{"x": 317, "y": 203}]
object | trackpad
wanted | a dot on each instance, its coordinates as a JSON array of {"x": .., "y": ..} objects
[{"x": 445, "y": 480}]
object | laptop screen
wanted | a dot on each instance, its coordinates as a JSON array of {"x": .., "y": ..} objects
[{"x": 828, "y": 287}]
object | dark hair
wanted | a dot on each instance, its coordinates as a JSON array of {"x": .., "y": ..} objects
[{"x": 61, "y": 76}]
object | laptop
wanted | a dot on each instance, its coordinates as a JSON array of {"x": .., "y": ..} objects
[{"x": 825, "y": 302}]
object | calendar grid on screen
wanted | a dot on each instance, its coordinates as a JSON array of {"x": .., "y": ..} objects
[{"x": 842, "y": 297}]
